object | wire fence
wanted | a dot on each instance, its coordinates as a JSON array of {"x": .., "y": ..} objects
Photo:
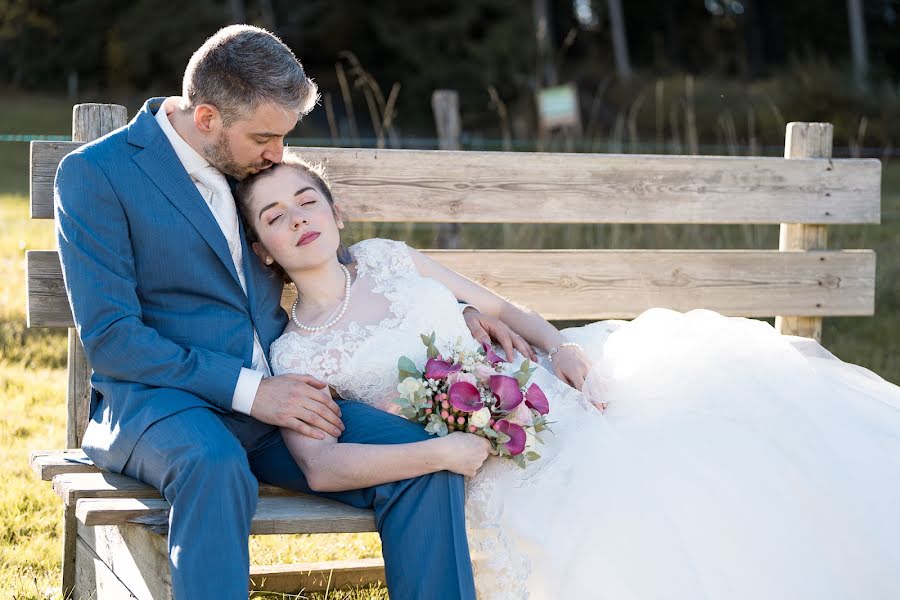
[{"x": 471, "y": 142}]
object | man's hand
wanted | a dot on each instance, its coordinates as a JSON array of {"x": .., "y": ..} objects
[
  {"x": 300, "y": 403},
  {"x": 485, "y": 329}
]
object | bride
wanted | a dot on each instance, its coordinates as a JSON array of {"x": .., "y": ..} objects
[{"x": 692, "y": 455}]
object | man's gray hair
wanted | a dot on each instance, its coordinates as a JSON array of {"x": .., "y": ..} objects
[{"x": 242, "y": 67}]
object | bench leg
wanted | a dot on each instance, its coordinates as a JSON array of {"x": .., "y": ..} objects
[
  {"x": 69, "y": 536},
  {"x": 114, "y": 558}
]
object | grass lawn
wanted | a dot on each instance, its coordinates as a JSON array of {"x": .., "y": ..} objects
[{"x": 32, "y": 362}]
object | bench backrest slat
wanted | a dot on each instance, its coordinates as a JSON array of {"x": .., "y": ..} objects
[
  {"x": 513, "y": 187},
  {"x": 604, "y": 284}
]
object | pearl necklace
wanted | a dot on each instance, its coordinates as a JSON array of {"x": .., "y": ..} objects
[{"x": 343, "y": 308}]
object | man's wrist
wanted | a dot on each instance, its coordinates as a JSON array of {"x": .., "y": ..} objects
[{"x": 245, "y": 390}]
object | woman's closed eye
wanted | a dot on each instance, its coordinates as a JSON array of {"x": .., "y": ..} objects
[{"x": 275, "y": 218}]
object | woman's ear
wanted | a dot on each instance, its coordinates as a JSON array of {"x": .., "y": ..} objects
[
  {"x": 262, "y": 253},
  {"x": 338, "y": 216}
]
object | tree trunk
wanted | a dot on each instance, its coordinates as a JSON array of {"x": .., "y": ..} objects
[
  {"x": 238, "y": 14},
  {"x": 858, "y": 47},
  {"x": 546, "y": 67},
  {"x": 619, "y": 40}
]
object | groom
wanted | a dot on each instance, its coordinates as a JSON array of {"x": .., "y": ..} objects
[{"x": 176, "y": 314}]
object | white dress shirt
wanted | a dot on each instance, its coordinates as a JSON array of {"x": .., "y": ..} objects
[{"x": 213, "y": 187}]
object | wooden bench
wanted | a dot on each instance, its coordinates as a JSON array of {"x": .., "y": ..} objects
[{"x": 114, "y": 542}]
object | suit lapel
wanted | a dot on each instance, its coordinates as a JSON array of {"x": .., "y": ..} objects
[
  {"x": 162, "y": 166},
  {"x": 251, "y": 267}
]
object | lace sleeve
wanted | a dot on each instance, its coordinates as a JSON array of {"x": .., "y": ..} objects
[{"x": 382, "y": 259}]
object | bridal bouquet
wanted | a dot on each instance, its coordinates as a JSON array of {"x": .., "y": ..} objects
[{"x": 471, "y": 391}]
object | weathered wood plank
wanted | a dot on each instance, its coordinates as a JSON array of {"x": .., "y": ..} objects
[
  {"x": 318, "y": 576},
  {"x": 136, "y": 557},
  {"x": 274, "y": 515},
  {"x": 605, "y": 284},
  {"x": 519, "y": 187},
  {"x": 78, "y": 391},
  {"x": 804, "y": 140},
  {"x": 93, "y": 579},
  {"x": 47, "y": 464},
  {"x": 71, "y": 487}
]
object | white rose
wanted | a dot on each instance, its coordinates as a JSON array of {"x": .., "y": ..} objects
[
  {"x": 481, "y": 417},
  {"x": 408, "y": 387},
  {"x": 530, "y": 441}
]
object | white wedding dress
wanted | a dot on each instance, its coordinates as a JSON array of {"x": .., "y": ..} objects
[{"x": 732, "y": 462}]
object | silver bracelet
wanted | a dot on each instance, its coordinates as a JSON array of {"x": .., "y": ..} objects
[{"x": 557, "y": 348}]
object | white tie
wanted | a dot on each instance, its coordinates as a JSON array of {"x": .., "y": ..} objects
[{"x": 221, "y": 203}]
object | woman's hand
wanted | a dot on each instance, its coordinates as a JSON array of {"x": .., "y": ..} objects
[
  {"x": 464, "y": 453},
  {"x": 571, "y": 365},
  {"x": 485, "y": 328}
]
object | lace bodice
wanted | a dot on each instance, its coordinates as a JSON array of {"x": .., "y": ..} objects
[{"x": 390, "y": 306}]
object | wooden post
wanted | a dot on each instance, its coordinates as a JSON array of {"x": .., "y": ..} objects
[
  {"x": 804, "y": 140},
  {"x": 89, "y": 122},
  {"x": 445, "y": 104}
]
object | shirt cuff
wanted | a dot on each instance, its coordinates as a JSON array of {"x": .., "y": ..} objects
[{"x": 245, "y": 390}]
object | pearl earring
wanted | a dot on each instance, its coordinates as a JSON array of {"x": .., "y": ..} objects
[{"x": 269, "y": 260}]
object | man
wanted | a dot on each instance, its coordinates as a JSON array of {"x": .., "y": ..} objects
[{"x": 175, "y": 315}]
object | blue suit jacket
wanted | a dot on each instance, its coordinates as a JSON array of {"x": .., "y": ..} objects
[{"x": 157, "y": 302}]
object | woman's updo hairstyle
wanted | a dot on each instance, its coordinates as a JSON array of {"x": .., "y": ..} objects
[{"x": 315, "y": 172}]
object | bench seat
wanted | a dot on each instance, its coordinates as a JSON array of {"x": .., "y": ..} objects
[{"x": 114, "y": 512}]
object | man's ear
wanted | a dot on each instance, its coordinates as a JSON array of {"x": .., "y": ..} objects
[{"x": 207, "y": 118}]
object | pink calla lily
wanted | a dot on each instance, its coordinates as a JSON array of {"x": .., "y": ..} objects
[
  {"x": 491, "y": 356},
  {"x": 507, "y": 391},
  {"x": 517, "y": 437},
  {"x": 439, "y": 369},
  {"x": 536, "y": 399},
  {"x": 464, "y": 396}
]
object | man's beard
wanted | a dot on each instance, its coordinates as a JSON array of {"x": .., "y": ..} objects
[{"x": 220, "y": 156}]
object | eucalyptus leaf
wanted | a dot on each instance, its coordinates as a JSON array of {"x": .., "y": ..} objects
[
  {"x": 532, "y": 455},
  {"x": 408, "y": 368}
]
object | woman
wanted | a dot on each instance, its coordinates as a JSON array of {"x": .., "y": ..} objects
[{"x": 732, "y": 462}]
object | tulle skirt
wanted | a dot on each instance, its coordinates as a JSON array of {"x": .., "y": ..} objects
[{"x": 732, "y": 463}]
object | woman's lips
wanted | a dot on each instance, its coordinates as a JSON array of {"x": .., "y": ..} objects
[{"x": 308, "y": 237}]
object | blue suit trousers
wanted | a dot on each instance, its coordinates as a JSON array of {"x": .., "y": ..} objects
[{"x": 206, "y": 464}]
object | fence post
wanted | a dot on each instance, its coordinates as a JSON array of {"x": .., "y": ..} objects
[
  {"x": 804, "y": 140},
  {"x": 445, "y": 105},
  {"x": 89, "y": 122}
]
